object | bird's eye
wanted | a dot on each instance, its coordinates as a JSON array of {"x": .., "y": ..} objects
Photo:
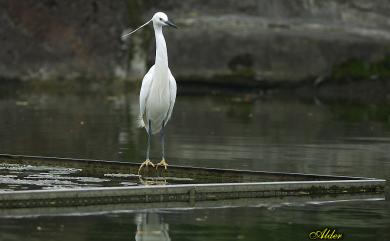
[{"x": 161, "y": 19}]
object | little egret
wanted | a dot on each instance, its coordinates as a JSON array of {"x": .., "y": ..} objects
[{"x": 158, "y": 90}]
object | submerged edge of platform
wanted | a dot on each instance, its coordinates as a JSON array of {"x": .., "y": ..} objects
[{"x": 104, "y": 166}]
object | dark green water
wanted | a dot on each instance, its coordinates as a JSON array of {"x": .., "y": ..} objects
[{"x": 228, "y": 132}]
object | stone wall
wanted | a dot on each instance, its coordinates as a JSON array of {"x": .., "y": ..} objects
[
  {"x": 273, "y": 41},
  {"x": 48, "y": 39},
  {"x": 249, "y": 42}
]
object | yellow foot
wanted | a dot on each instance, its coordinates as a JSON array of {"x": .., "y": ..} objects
[
  {"x": 154, "y": 181},
  {"x": 162, "y": 163},
  {"x": 145, "y": 163}
]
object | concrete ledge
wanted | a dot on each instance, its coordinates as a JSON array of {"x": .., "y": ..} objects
[{"x": 232, "y": 185}]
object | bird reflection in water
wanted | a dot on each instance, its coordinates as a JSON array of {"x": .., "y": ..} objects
[{"x": 151, "y": 227}]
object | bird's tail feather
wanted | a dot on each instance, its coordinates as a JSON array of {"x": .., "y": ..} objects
[{"x": 140, "y": 122}]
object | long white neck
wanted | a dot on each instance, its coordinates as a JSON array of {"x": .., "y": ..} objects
[
  {"x": 160, "y": 82},
  {"x": 161, "y": 64}
]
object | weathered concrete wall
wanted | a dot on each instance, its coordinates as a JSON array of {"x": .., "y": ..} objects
[
  {"x": 250, "y": 42},
  {"x": 274, "y": 41},
  {"x": 62, "y": 39}
]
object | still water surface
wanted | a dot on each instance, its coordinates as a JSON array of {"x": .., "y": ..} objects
[{"x": 239, "y": 131}]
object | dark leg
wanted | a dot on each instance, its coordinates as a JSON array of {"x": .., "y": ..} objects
[
  {"x": 149, "y": 134},
  {"x": 147, "y": 162},
  {"x": 162, "y": 162},
  {"x": 162, "y": 141}
]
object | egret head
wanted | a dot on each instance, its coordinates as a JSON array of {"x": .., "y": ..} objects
[{"x": 161, "y": 19}]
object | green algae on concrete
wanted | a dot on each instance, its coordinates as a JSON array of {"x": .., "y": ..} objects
[{"x": 358, "y": 69}]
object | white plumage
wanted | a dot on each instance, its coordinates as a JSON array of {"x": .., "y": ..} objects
[
  {"x": 153, "y": 106},
  {"x": 158, "y": 91}
]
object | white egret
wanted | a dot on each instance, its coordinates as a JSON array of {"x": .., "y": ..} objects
[{"x": 158, "y": 90}]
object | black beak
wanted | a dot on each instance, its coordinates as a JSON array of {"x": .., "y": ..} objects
[{"x": 171, "y": 24}]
